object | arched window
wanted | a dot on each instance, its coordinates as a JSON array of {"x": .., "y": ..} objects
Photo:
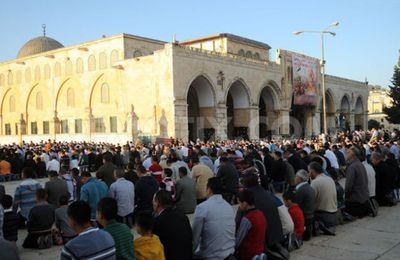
[
  {"x": 249, "y": 55},
  {"x": 12, "y": 104},
  {"x": 28, "y": 75},
  {"x": 19, "y": 77},
  {"x": 79, "y": 65},
  {"x": 70, "y": 97},
  {"x": 37, "y": 73},
  {"x": 57, "y": 69},
  {"x": 68, "y": 68},
  {"x": 1, "y": 80},
  {"x": 241, "y": 52},
  {"x": 10, "y": 78},
  {"x": 46, "y": 71},
  {"x": 137, "y": 53},
  {"x": 39, "y": 101},
  {"x": 91, "y": 63},
  {"x": 256, "y": 56},
  {"x": 114, "y": 57},
  {"x": 102, "y": 60},
  {"x": 105, "y": 93}
]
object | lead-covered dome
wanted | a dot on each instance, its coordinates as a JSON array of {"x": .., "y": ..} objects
[{"x": 38, "y": 45}]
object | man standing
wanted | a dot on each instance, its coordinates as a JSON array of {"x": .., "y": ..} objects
[
  {"x": 185, "y": 195},
  {"x": 177, "y": 245},
  {"x": 145, "y": 189},
  {"x": 229, "y": 177},
  {"x": 200, "y": 174},
  {"x": 56, "y": 188},
  {"x": 93, "y": 190},
  {"x": 91, "y": 242},
  {"x": 214, "y": 225},
  {"x": 53, "y": 164},
  {"x": 106, "y": 171},
  {"x": 325, "y": 198},
  {"x": 123, "y": 192},
  {"x": 356, "y": 188}
]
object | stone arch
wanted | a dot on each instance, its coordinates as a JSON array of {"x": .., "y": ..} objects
[
  {"x": 137, "y": 53},
  {"x": 268, "y": 105},
  {"x": 345, "y": 109},
  {"x": 238, "y": 100},
  {"x": 57, "y": 69},
  {"x": 10, "y": 118},
  {"x": 114, "y": 57},
  {"x": 70, "y": 97},
  {"x": 249, "y": 54},
  {"x": 330, "y": 112},
  {"x": 201, "y": 100},
  {"x": 241, "y": 53},
  {"x": 47, "y": 71},
  {"x": 105, "y": 93},
  {"x": 91, "y": 63},
  {"x": 359, "y": 113},
  {"x": 36, "y": 111},
  {"x": 11, "y": 104}
]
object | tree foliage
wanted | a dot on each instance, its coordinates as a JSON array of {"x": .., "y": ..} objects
[{"x": 393, "y": 112}]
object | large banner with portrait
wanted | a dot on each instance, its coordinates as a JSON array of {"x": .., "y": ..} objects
[{"x": 304, "y": 81}]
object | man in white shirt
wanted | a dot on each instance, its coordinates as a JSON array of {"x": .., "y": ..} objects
[
  {"x": 53, "y": 165},
  {"x": 331, "y": 157}
]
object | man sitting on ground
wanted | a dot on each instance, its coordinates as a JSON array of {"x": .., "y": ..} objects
[
  {"x": 91, "y": 242},
  {"x": 41, "y": 219}
]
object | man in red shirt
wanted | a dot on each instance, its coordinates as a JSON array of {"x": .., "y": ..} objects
[
  {"x": 295, "y": 212},
  {"x": 156, "y": 170},
  {"x": 250, "y": 236}
]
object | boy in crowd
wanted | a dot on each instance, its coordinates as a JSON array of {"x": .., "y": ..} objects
[
  {"x": 148, "y": 246},
  {"x": 11, "y": 219},
  {"x": 295, "y": 212},
  {"x": 167, "y": 183},
  {"x": 107, "y": 210},
  {"x": 250, "y": 237}
]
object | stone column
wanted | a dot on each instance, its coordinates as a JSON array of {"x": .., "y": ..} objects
[
  {"x": 316, "y": 126},
  {"x": 365, "y": 121},
  {"x": 21, "y": 128},
  {"x": 221, "y": 122},
  {"x": 181, "y": 120},
  {"x": 55, "y": 126},
  {"x": 284, "y": 124},
  {"x": 254, "y": 123},
  {"x": 352, "y": 123}
]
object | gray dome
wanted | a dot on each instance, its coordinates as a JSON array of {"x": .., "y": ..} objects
[{"x": 38, "y": 45}]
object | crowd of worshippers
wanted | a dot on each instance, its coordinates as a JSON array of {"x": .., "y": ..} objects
[{"x": 99, "y": 196}]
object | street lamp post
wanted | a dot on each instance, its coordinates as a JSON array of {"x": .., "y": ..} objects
[{"x": 322, "y": 33}]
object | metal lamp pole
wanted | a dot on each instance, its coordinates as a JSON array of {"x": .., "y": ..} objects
[{"x": 322, "y": 66}]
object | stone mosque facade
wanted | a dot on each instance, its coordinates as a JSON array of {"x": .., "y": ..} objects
[{"x": 123, "y": 87}]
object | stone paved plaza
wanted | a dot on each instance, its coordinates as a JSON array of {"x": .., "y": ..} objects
[{"x": 368, "y": 238}]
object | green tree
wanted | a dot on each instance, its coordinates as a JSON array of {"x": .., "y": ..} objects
[{"x": 393, "y": 112}]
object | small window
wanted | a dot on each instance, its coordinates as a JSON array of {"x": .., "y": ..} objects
[
  {"x": 57, "y": 70},
  {"x": 28, "y": 75},
  {"x": 8, "y": 129},
  {"x": 99, "y": 125},
  {"x": 46, "y": 127},
  {"x": 37, "y": 73},
  {"x": 241, "y": 53},
  {"x": 78, "y": 126},
  {"x": 70, "y": 97},
  {"x": 47, "y": 71},
  {"x": 64, "y": 126},
  {"x": 105, "y": 93},
  {"x": 34, "y": 129},
  {"x": 256, "y": 56},
  {"x": 12, "y": 104},
  {"x": 137, "y": 53},
  {"x": 10, "y": 78},
  {"x": 113, "y": 124},
  {"x": 39, "y": 101},
  {"x": 19, "y": 77},
  {"x": 114, "y": 57},
  {"x": 79, "y": 65}
]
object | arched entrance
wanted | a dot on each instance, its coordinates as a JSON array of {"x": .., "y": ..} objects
[
  {"x": 238, "y": 115},
  {"x": 330, "y": 114},
  {"x": 358, "y": 114},
  {"x": 201, "y": 109},
  {"x": 267, "y": 114},
  {"x": 344, "y": 117}
]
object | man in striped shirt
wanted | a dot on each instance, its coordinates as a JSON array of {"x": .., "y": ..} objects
[{"x": 91, "y": 243}]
